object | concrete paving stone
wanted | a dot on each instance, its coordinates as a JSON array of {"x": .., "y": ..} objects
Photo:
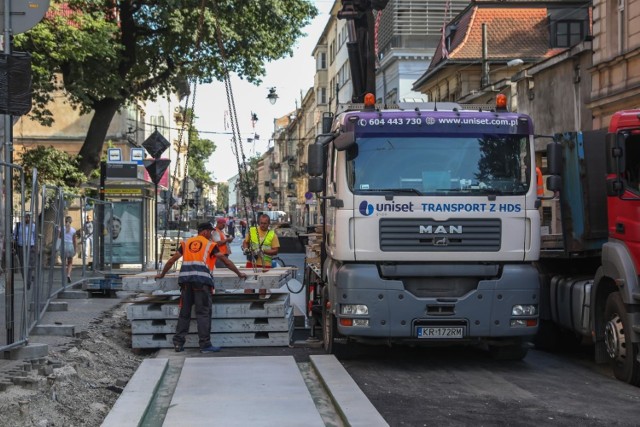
[
  {"x": 355, "y": 407},
  {"x": 58, "y": 306},
  {"x": 73, "y": 295},
  {"x": 133, "y": 403},
  {"x": 58, "y": 330},
  {"x": 242, "y": 391},
  {"x": 258, "y": 339}
]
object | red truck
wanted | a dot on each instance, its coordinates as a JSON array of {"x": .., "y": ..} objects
[{"x": 589, "y": 268}]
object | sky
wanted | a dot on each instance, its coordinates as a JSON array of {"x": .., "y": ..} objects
[{"x": 290, "y": 76}]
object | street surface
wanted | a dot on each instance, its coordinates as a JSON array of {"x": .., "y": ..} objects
[{"x": 464, "y": 386}]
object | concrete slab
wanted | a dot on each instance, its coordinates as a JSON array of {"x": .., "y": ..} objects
[
  {"x": 248, "y": 339},
  {"x": 224, "y": 306},
  {"x": 73, "y": 295},
  {"x": 257, "y": 324},
  {"x": 56, "y": 330},
  {"x": 354, "y": 406},
  {"x": 242, "y": 391},
  {"x": 131, "y": 406},
  {"x": 29, "y": 351},
  {"x": 224, "y": 279},
  {"x": 58, "y": 306}
]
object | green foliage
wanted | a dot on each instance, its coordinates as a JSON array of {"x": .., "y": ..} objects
[
  {"x": 55, "y": 168},
  {"x": 199, "y": 152},
  {"x": 248, "y": 182},
  {"x": 222, "y": 202},
  {"x": 110, "y": 53}
]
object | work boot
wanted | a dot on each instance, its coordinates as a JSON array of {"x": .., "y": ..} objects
[
  {"x": 210, "y": 349},
  {"x": 178, "y": 348}
]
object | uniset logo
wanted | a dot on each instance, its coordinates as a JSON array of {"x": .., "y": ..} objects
[{"x": 367, "y": 208}]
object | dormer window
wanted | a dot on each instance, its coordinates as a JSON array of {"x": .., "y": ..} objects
[{"x": 568, "y": 33}]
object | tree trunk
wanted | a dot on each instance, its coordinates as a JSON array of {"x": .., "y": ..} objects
[{"x": 91, "y": 150}]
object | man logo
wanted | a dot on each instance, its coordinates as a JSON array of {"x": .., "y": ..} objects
[
  {"x": 440, "y": 241},
  {"x": 366, "y": 209}
]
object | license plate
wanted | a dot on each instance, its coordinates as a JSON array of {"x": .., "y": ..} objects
[{"x": 445, "y": 332}]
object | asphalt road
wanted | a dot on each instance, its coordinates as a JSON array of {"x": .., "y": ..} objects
[{"x": 464, "y": 386}]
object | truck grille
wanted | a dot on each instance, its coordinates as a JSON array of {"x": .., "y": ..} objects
[{"x": 428, "y": 235}]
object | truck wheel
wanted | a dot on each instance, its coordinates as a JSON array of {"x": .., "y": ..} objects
[
  {"x": 330, "y": 336},
  {"x": 617, "y": 338}
]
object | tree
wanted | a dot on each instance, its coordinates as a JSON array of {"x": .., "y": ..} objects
[
  {"x": 222, "y": 202},
  {"x": 55, "y": 168},
  {"x": 249, "y": 182},
  {"x": 199, "y": 152},
  {"x": 111, "y": 53}
]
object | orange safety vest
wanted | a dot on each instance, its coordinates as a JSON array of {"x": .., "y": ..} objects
[
  {"x": 540, "y": 182},
  {"x": 224, "y": 249},
  {"x": 197, "y": 264}
]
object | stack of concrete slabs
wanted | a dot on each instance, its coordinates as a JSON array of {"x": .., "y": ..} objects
[{"x": 237, "y": 320}]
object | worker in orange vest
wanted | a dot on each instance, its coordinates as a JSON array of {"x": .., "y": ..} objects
[{"x": 540, "y": 183}]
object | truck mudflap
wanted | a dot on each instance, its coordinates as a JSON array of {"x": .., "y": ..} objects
[{"x": 395, "y": 313}]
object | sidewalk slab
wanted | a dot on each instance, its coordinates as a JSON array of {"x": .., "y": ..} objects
[
  {"x": 132, "y": 405},
  {"x": 354, "y": 406},
  {"x": 242, "y": 391}
]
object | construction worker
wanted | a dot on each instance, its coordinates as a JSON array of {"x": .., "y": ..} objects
[
  {"x": 539, "y": 182},
  {"x": 260, "y": 245},
  {"x": 196, "y": 285},
  {"x": 222, "y": 240}
]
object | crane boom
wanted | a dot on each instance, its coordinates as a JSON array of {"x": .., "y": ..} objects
[{"x": 360, "y": 47}]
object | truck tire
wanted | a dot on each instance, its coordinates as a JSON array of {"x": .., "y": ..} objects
[
  {"x": 617, "y": 336},
  {"x": 331, "y": 340}
]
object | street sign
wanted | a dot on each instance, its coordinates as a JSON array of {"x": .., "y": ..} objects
[{"x": 24, "y": 14}]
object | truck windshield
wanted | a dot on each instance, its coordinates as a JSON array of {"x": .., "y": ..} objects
[{"x": 443, "y": 164}]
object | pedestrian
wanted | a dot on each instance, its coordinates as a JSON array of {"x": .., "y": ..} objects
[
  {"x": 222, "y": 240},
  {"x": 68, "y": 234},
  {"x": 196, "y": 285},
  {"x": 26, "y": 232},
  {"x": 231, "y": 227},
  {"x": 88, "y": 237},
  {"x": 260, "y": 245},
  {"x": 243, "y": 228}
]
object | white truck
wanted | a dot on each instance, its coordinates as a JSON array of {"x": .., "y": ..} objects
[{"x": 431, "y": 225}]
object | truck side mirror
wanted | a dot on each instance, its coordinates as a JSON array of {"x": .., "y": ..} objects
[
  {"x": 554, "y": 158},
  {"x": 316, "y": 184},
  {"x": 344, "y": 141},
  {"x": 315, "y": 155},
  {"x": 554, "y": 183}
]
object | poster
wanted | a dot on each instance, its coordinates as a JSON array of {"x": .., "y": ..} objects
[{"x": 123, "y": 234}]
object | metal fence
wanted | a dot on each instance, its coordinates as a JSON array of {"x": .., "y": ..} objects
[{"x": 32, "y": 274}]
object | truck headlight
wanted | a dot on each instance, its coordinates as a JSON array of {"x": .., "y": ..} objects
[
  {"x": 351, "y": 309},
  {"x": 524, "y": 310}
]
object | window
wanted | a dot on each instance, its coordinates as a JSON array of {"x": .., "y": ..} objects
[
  {"x": 322, "y": 95},
  {"x": 621, "y": 27},
  {"x": 322, "y": 61},
  {"x": 568, "y": 33}
]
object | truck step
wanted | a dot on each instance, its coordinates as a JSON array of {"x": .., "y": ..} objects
[
  {"x": 636, "y": 329},
  {"x": 636, "y": 296}
]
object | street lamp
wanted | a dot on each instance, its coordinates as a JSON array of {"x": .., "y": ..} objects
[{"x": 273, "y": 96}]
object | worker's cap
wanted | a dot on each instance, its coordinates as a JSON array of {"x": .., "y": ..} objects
[
  {"x": 205, "y": 226},
  {"x": 221, "y": 221}
]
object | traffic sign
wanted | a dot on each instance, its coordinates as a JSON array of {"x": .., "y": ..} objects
[
  {"x": 269, "y": 200},
  {"x": 269, "y": 206},
  {"x": 24, "y": 15}
]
